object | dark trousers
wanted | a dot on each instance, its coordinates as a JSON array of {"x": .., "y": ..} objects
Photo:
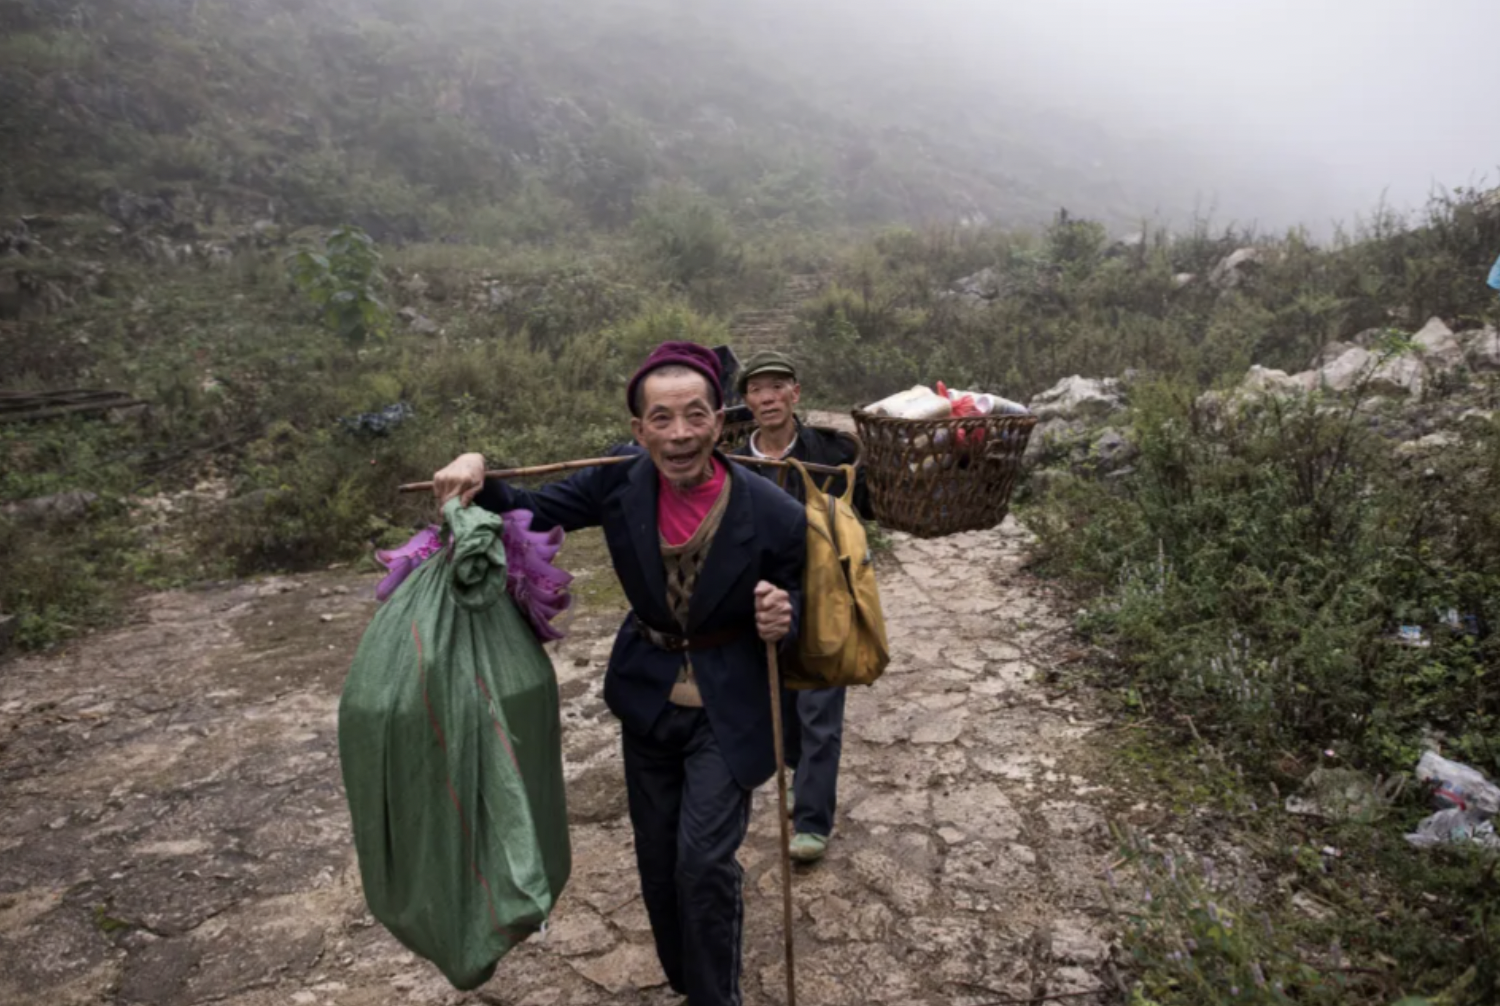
[
  {"x": 813, "y": 733},
  {"x": 690, "y": 817}
]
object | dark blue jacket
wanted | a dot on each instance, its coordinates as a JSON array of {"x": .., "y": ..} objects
[
  {"x": 762, "y": 537},
  {"x": 817, "y": 446}
]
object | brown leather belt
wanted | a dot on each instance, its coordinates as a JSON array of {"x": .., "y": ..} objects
[{"x": 684, "y": 644}]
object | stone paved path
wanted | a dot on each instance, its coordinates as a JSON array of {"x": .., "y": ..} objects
[{"x": 174, "y": 830}]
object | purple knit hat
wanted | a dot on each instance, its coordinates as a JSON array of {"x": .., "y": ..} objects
[{"x": 679, "y": 354}]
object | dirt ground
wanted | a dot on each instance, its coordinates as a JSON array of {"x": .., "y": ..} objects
[{"x": 174, "y": 829}]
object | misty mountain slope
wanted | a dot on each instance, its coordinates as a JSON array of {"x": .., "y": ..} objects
[{"x": 519, "y": 119}]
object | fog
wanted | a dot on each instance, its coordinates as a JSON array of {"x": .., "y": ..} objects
[{"x": 1303, "y": 109}]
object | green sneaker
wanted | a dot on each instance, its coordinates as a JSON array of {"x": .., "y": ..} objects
[{"x": 808, "y": 848}]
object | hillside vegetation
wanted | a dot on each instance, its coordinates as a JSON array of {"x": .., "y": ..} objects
[
  {"x": 512, "y": 120},
  {"x": 332, "y": 244}
]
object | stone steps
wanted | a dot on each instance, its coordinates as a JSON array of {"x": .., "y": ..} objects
[{"x": 770, "y": 328}]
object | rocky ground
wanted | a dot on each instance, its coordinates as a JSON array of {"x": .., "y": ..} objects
[{"x": 175, "y": 831}]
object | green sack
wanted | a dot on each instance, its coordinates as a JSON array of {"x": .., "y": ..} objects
[{"x": 451, "y": 748}]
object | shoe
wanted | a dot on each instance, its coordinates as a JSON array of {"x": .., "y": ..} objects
[{"x": 808, "y": 848}]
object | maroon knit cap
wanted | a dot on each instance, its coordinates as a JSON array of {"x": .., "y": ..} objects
[{"x": 679, "y": 354}]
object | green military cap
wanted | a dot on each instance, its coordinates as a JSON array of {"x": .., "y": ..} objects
[{"x": 767, "y": 361}]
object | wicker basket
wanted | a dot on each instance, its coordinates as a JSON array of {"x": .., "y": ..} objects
[
  {"x": 735, "y": 432},
  {"x": 931, "y": 477}
]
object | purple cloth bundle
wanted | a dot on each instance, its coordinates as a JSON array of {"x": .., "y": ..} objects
[
  {"x": 401, "y": 561},
  {"x": 538, "y": 588}
]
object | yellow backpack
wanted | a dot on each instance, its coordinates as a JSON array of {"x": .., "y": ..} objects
[{"x": 842, "y": 638}]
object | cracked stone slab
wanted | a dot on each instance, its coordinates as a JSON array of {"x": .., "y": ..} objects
[
  {"x": 978, "y": 809},
  {"x": 629, "y": 967},
  {"x": 837, "y": 920},
  {"x": 1070, "y": 819},
  {"x": 906, "y": 890},
  {"x": 939, "y": 728},
  {"x": 894, "y": 809},
  {"x": 849, "y": 974},
  {"x": 1076, "y": 941},
  {"x": 578, "y": 932}
]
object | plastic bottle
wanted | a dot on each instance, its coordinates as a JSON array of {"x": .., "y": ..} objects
[{"x": 990, "y": 404}]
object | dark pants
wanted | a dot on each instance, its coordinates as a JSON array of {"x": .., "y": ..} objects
[
  {"x": 690, "y": 817},
  {"x": 813, "y": 732}
]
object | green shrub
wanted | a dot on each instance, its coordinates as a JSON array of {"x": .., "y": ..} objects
[
  {"x": 689, "y": 238},
  {"x": 660, "y": 321},
  {"x": 344, "y": 283},
  {"x": 1255, "y": 567}
]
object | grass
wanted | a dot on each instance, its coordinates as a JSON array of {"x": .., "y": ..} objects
[
  {"x": 1289, "y": 909},
  {"x": 596, "y": 589},
  {"x": 108, "y": 924}
]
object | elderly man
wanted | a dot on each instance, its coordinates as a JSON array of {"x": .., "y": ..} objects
[
  {"x": 710, "y": 558},
  {"x": 813, "y": 722}
]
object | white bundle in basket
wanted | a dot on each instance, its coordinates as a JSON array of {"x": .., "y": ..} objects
[{"x": 919, "y": 402}]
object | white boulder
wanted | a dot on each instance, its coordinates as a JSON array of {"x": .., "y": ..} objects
[
  {"x": 1238, "y": 266},
  {"x": 1347, "y": 370},
  {"x": 1483, "y": 348},
  {"x": 1265, "y": 381},
  {"x": 1430, "y": 444},
  {"x": 983, "y": 285},
  {"x": 1440, "y": 349},
  {"x": 1331, "y": 352},
  {"x": 1401, "y": 375},
  {"x": 1077, "y": 397},
  {"x": 1477, "y": 420}
]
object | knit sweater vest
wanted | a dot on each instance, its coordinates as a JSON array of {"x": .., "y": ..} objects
[{"x": 682, "y": 564}]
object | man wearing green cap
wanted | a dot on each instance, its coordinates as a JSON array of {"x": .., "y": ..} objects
[{"x": 813, "y": 720}]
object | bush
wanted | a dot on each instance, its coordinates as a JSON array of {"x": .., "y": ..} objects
[
  {"x": 344, "y": 283},
  {"x": 660, "y": 321},
  {"x": 1255, "y": 567},
  {"x": 688, "y": 237},
  {"x": 1069, "y": 304}
]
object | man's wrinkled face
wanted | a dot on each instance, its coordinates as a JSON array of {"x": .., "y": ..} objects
[
  {"x": 771, "y": 398},
  {"x": 679, "y": 426}
]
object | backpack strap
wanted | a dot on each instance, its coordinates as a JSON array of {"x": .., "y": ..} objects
[
  {"x": 848, "y": 471},
  {"x": 808, "y": 483}
]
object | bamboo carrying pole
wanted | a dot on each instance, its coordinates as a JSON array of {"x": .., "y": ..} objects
[
  {"x": 786, "y": 823},
  {"x": 565, "y": 466}
]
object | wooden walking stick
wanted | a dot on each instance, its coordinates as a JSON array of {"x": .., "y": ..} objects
[{"x": 786, "y": 827}]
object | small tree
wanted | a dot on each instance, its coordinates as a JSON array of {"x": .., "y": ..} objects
[{"x": 344, "y": 283}]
